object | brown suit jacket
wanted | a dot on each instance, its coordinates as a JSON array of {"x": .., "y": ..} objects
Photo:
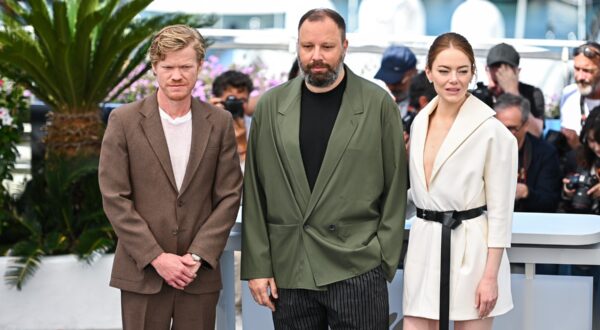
[{"x": 143, "y": 205}]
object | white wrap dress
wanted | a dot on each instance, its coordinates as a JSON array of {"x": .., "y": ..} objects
[{"x": 476, "y": 165}]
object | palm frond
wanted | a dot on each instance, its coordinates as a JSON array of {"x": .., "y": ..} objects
[
  {"x": 26, "y": 262},
  {"x": 94, "y": 243}
]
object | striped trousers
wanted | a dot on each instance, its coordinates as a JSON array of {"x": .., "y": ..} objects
[{"x": 358, "y": 303}]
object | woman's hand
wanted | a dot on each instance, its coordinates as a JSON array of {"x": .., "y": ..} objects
[
  {"x": 486, "y": 296},
  {"x": 594, "y": 192}
]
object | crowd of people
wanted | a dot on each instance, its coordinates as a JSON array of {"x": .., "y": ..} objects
[
  {"x": 330, "y": 162},
  {"x": 553, "y": 168}
]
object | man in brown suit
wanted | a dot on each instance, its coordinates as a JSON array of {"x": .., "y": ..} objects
[{"x": 171, "y": 183}]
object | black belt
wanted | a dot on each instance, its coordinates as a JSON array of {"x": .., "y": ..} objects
[{"x": 449, "y": 221}]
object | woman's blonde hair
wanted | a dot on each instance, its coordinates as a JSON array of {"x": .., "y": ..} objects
[{"x": 173, "y": 38}]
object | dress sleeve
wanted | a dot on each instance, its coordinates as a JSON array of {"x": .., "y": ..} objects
[{"x": 500, "y": 180}]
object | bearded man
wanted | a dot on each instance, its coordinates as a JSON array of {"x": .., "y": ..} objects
[
  {"x": 578, "y": 98},
  {"x": 324, "y": 190}
]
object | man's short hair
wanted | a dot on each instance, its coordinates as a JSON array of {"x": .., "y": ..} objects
[
  {"x": 233, "y": 79},
  {"x": 503, "y": 53},
  {"x": 319, "y": 14},
  {"x": 395, "y": 62},
  {"x": 173, "y": 38},
  {"x": 508, "y": 100}
]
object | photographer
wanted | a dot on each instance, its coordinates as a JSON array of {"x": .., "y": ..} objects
[
  {"x": 420, "y": 92},
  {"x": 578, "y": 98},
  {"x": 231, "y": 91},
  {"x": 502, "y": 68},
  {"x": 398, "y": 67},
  {"x": 582, "y": 188},
  {"x": 539, "y": 176}
]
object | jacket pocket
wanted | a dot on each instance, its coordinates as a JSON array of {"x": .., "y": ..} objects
[
  {"x": 358, "y": 233},
  {"x": 284, "y": 241}
]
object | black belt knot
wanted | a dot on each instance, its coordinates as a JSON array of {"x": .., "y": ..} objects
[{"x": 449, "y": 221}]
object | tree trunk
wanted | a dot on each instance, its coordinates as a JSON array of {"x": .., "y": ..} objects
[{"x": 70, "y": 135}]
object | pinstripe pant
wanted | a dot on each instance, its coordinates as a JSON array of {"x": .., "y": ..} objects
[{"x": 358, "y": 303}]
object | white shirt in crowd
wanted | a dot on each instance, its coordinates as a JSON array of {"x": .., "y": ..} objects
[{"x": 570, "y": 109}]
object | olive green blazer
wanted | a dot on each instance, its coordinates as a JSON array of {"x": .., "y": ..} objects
[{"x": 353, "y": 220}]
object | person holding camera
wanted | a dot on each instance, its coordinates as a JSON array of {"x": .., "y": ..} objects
[
  {"x": 231, "y": 91},
  {"x": 420, "y": 92},
  {"x": 539, "y": 176},
  {"x": 581, "y": 189},
  {"x": 502, "y": 69}
]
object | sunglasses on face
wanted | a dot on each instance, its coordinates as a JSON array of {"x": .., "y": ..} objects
[{"x": 587, "y": 51}]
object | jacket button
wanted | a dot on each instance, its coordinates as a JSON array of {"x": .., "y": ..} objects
[
  {"x": 306, "y": 227},
  {"x": 332, "y": 227},
  {"x": 180, "y": 203}
]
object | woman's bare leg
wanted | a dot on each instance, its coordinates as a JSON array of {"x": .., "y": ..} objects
[
  {"x": 482, "y": 324},
  {"x": 419, "y": 323}
]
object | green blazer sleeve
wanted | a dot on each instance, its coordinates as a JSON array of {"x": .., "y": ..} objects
[
  {"x": 256, "y": 261},
  {"x": 391, "y": 227}
]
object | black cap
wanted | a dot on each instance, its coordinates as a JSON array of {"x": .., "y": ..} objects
[{"x": 503, "y": 53}]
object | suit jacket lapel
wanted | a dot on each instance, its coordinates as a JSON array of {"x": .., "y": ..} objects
[
  {"x": 152, "y": 128},
  {"x": 343, "y": 130},
  {"x": 288, "y": 132},
  {"x": 471, "y": 115},
  {"x": 201, "y": 129}
]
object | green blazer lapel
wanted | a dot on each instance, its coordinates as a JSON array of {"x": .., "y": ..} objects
[
  {"x": 471, "y": 115},
  {"x": 343, "y": 130},
  {"x": 288, "y": 132},
  {"x": 152, "y": 128},
  {"x": 201, "y": 129}
]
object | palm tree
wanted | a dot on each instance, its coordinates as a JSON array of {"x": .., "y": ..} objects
[
  {"x": 78, "y": 52},
  {"x": 72, "y": 54}
]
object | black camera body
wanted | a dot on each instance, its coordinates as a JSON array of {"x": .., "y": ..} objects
[
  {"x": 581, "y": 183},
  {"x": 408, "y": 119},
  {"x": 483, "y": 93},
  {"x": 235, "y": 106}
]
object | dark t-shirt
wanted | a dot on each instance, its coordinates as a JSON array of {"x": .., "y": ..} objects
[{"x": 318, "y": 112}]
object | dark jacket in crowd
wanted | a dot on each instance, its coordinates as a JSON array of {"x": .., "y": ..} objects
[
  {"x": 543, "y": 176},
  {"x": 535, "y": 96}
]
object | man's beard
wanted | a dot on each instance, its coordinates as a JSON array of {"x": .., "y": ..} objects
[
  {"x": 586, "y": 87},
  {"x": 321, "y": 79}
]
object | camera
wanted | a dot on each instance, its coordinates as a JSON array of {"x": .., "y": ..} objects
[
  {"x": 235, "y": 106},
  {"x": 483, "y": 93},
  {"x": 407, "y": 120},
  {"x": 581, "y": 183}
]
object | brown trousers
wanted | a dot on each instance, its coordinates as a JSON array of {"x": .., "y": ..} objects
[{"x": 168, "y": 309}]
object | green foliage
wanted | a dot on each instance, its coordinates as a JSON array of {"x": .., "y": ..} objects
[
  {"x": 13, "y": 109},
  {"x": 70, "y": 54},
  {"x": 61, "y": 212},
  {"x": 79, "y": 50}
]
